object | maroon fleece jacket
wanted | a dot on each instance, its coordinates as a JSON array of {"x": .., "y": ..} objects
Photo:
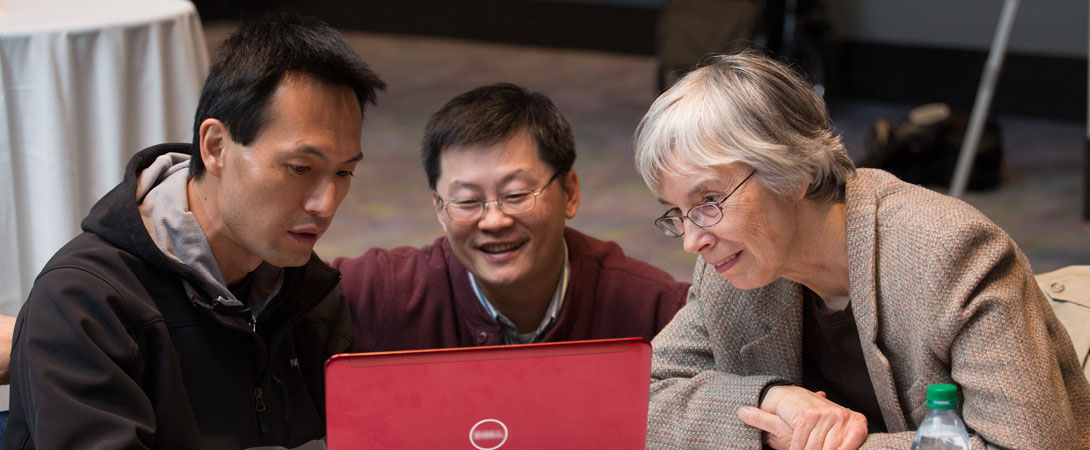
[{"x": 410, "y": 298}]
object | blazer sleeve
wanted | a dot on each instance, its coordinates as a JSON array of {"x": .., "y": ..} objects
[
  {"x": 991, "y": 327},
  {"x": 693, "y": 402},
  {"x": 75, "y": 368},
  {"x": 1008, "y": 351}
]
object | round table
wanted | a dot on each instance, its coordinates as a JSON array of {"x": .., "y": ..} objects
[{"x": 84, "y": 85}]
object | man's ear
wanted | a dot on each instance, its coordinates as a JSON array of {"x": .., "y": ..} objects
[
  {"x": 214, "y": 137},
  {"x": 571, "y": 194},
  {"x": 437, "y": 203}
]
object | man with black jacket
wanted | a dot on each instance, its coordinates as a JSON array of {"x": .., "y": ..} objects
[{"x": 192, "y": 312}]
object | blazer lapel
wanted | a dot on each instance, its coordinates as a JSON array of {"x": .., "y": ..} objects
[
  {"x": 760, "y": 329},
  {"x": 861, "y": 214},
  {"x": 777, "y": 346}
]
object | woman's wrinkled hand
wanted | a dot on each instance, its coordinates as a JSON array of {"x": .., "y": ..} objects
[{"x": 795, "y": 418}]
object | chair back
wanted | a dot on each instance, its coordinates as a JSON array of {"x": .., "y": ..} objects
[{"x": 1068, "y": 289}]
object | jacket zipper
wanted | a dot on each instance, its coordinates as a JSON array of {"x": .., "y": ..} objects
[
  {"x": 283, "y": 396},
  {"x": 268, "y": 373},
  {"x": 259, "y": 396},
  {"x": 265, "y": 374},
  {"x": 259, "y": 393},
  {"x": 259, "y": 399}
]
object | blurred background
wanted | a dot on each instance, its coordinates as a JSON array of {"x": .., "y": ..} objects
[
  {"x": 88, "y": 84},
  {"x": 603, "y": 63}
]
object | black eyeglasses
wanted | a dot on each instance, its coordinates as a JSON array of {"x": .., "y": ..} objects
[
  {"x": 704, "y": 215},
  {"x": 511, "y": 203}
]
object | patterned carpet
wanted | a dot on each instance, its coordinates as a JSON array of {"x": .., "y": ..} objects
[{"x": 604, "y": 95}]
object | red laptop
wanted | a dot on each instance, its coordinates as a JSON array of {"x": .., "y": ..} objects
[{"x": 585, "y": 394}]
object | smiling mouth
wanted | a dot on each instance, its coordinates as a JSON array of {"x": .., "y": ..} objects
[
  {"x": 501, "y": 248},
  {"x": 728, "y": 260}
]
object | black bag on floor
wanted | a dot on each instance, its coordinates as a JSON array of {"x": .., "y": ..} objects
[{"x": 925, "y": 149}]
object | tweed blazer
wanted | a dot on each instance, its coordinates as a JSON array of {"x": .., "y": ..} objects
[{"x": 940, "y": 295}]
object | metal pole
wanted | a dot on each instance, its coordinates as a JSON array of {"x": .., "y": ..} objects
[{"x": 983, "y": 99}]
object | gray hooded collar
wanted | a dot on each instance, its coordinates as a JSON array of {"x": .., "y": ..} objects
[{"x": 162, "y": 198}]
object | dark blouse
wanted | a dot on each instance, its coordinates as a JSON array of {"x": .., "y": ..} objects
[{"x": 832, "y": 360}]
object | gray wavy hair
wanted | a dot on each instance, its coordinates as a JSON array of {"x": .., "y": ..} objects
[{"x": 745, "y": 108}]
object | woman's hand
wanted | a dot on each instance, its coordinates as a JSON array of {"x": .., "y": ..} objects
[{"x": 795, "y": 418}]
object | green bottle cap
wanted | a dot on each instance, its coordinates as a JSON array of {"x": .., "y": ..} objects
[{"x": 942, "y": 396}]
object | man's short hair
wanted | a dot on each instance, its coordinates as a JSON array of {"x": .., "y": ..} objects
[
  {"x": 249, "y": 65},
  {"x": 490, "y": 114}
]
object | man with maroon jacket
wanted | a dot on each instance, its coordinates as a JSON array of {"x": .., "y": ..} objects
[{"x": 499, "y": 160}]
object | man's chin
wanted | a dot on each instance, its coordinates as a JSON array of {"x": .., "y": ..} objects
[
  {"x": 289, "y": 259},
  {"x": 497, "y": 279}
]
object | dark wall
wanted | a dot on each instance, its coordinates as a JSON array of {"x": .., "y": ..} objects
[
  {"x": 1029, "y": 85},
  {"x": 610, "y": 26}
]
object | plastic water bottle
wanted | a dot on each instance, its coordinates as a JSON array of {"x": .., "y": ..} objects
[{"x": 942, "y": 428}]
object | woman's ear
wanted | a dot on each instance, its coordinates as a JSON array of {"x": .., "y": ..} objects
[{"x": 802, "y": 192}]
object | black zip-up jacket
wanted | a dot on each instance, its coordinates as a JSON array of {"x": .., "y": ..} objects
[{"x": 120, "y": 347}]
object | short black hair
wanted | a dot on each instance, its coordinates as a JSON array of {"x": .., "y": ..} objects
[
  {"x": 249, "y": 65},
  {"x": 488, "y": 115}
]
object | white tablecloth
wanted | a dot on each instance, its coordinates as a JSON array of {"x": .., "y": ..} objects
[{"x": 85, "y": 85}]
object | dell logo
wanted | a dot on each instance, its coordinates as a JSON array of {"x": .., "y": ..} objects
[{"x": 488, "y": 434}]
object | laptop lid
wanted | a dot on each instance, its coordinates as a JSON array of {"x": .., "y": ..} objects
[{"x": 584, "y": 394}]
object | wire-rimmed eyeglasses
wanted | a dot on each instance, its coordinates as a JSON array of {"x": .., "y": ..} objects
[
  {"x": 511, "y": 203},
  {"x": 704, "y": 215}
]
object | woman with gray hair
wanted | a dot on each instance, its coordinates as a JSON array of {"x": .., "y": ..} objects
[{"x": 825, "y": 298}]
